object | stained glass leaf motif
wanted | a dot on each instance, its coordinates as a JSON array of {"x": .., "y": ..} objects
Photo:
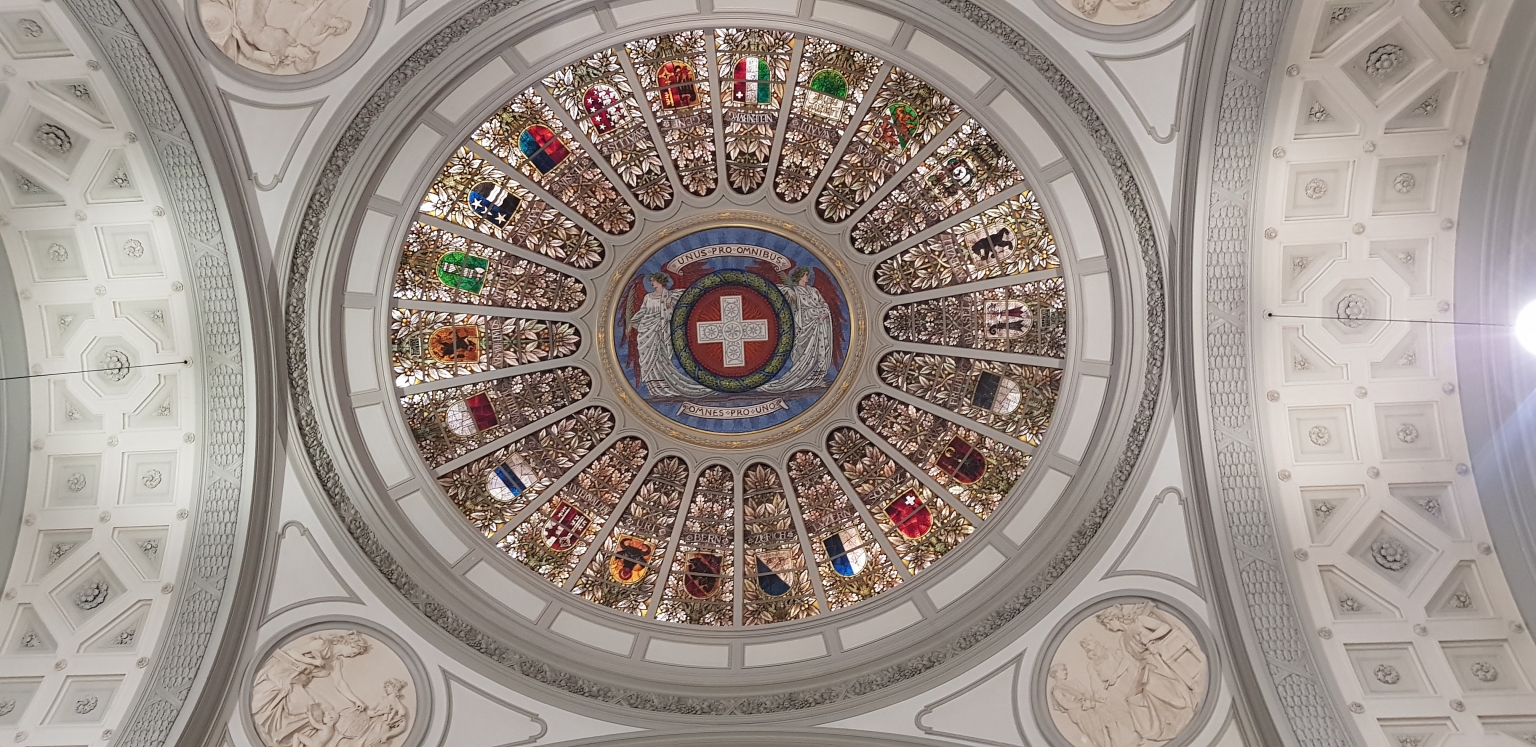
[
  {"x": 753, "y": 65},
  {"x": 623, "y": 573},
  {"x": 527, "y": 135},
  {"x": 438, "y": 265},
  {"x": 1028, "y": 318},
  {"x": 977, "y": 470},
  {"x": 491, "y": 490},
  {"x": 555, "y": 536},
  {"x": 1017, "y": 400},
  {"x": 829, "y": 87},
  {"x": 968, "y": 168},
  {"x": 905, "y": 115},
  {"x": 777, "y": 583},
  {"x": 701, "y": 586},
  {"x": 921, "y": 526},
  {"x": 851, "y": 564},
  {"x": 598, "y": 95},
  {"x": 433, "y": 345},
  {"x": 1008, "y": 239},
  {"x": 449, "y": 423},
  {"x": 674, "y": 73},
  {"x": 472, "y": 193}
]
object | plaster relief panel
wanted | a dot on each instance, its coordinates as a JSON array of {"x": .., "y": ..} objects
[
  {"x": 15, "y": 695},
  {"x": 88, "y": 592},
  {"x": 1350, "y": 600},
  {"x": 55, "y": 255},
  {"x": 114, "y": 182},
  {"x": 52, "y": 142},
  {"x": 70, "y": 415},
  {"x": 161, "y": 409},
  {"x": 1485, "y": 666},
  {"x": 149, "y": 477},
  {"x": 53, "y": 548},
  {"x": 1305, "y": 363},
  {"x": 1356, "y": 309},
  {"x": 29, "y": 636},
  {"x": 334, "y": 686},
  {"x": 77, "y": 94},
  {"x": 26, "y": 190},
  {"x": 1409, "y": 258},
  {"x": 61, "y": 322},
  {"x": 84, "y": 700},
  {"x": 1394, "y": 553},
  {"x": 1339, "y": 18},
  {"x": 1417, "y": 732},
  {"x": 1461, "y": 595},
  {"x": 1301, "y": 264},
  {"x": 1522, "y": 728},
  {"x": 1115, "y": 12},
  {"x": 153, "y": 318},
  {"x": 1131, "y": 673},
  {"x": 1434, "y": 501},
  {"x": 1321, "y": 434},
  {"x": 1318, "y": 190},
  {"x": 288, "y": 37},
  {"x": 28, "y": 33},
  {"x": 123, "y": 635},
  {"x": 1428, "y": 111},
  {"x": 110, "y": 361},
  {"x": 1321, "y": 113},
  {"x": 1409, "y": 432},
  {"x": 74, "y": 481},
  {"x": 1388, "y": 669},
  {"x": 1406, "y": 185},
  {"x": 1381, "y": 66},
  {"x": 1454, "y": 18},
  {"x": 1328, "y": 508},
  {"x": 144, "y": 547},
  {"x": 1408, "y": 359},
  {"x": 130, "y": 250}
]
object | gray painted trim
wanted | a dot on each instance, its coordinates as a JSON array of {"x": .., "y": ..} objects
[
  {"x": 1017, "y": 665},
  {"x": 182, "y": 696},
  {"x": 319, "y": 220},
  {"x": 15, "y": 418},
  {"x": 1115, "y": 571},
  {"x": 1495, "y": 275},
  {"x": 325, "y": 560},
  {"x": 1282, "y": 697},
  {"x": 449, "y": 680}
]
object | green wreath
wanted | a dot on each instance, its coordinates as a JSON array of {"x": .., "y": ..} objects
[{"x": 732, "y": 384}]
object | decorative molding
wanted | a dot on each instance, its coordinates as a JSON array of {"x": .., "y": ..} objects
[
  {"x": 1117, "y": 569},
  {"x": 221, "y": 358},
  {"x": 1017, "y": 672},
  {"x": 1255, "y": 553},
  {"x": 318, "y": 213},
  {"x": 324, "y": 561}
]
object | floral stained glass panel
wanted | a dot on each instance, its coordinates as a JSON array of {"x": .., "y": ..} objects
[
  {"x": 493, "y": 489},
  {"x": 474, "y": 194},
  {"x": 700, "y": 589},
  {"x": 753, "y": 65},
  {"x": 1015, "y": 399},
  {"x": 439, "y": 265},
  {"x": 921, "y": 526},
  {"x": 906, "y": 114},
  {"x": 435, "y": 345},
  {"x": 1028, "y": 318},
  {"x": 674, "y": 70},
  {"x": 1009, "y": 239},
  {"x": 976, "y": 470},
  {"x": 967, "y": 168},
  {"x": 852, "y": 565},
  {"x": 527, "y": 135},
  {"x": 448, "y": 423},
  {"x": 623, "y": 574},
  {"x": 777, "y": 583},
  {"x": 829, "y": 87},
  {"x": 556, "y": 535},
  {"x": 597, "y": 93}
]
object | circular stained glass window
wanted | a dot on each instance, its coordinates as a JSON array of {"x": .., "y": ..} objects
[{"x": 729, "y": 327}]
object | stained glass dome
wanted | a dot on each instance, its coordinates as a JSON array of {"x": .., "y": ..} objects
[{"x": 729, "y": 327}]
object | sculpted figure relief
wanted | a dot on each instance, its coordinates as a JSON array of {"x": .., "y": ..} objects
[
  {"x": 1131, "y": 675},
  {"x": 334, "y": 688},
  {"x": 1115, "y": 12},
  {"x": 282, "y": 37}
]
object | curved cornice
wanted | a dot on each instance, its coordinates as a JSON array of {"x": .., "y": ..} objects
[{"x": 321, "y": 223}]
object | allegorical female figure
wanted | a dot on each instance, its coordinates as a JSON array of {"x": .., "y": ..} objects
[
  {"x": 652, "y": 323},
  {"x": 812, "y": 354},
  {"x": 1165, "y": 697},
  {"x": 280, "y": 697}
]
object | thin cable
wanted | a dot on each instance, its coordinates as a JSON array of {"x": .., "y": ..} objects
[
  {"x": 1273, "y": 315},
  {"x": 94, "y": 370}
]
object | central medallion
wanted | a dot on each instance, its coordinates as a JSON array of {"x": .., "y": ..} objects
[{"x": 731, "y": 330}]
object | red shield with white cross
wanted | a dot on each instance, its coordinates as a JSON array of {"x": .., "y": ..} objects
[{"x": 732, "y": 331}]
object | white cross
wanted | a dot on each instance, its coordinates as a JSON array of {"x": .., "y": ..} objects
[{"x": 732, "y": 332}]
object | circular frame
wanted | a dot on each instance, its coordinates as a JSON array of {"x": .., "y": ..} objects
[
  {"x": 727, "y": 279},
  {"x": 372, "y": 20}
]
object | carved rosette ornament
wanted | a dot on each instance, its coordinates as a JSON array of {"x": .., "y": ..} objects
[
  {"x": 1129, "y": 672},
  {"x": 333, "y": 687}
]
